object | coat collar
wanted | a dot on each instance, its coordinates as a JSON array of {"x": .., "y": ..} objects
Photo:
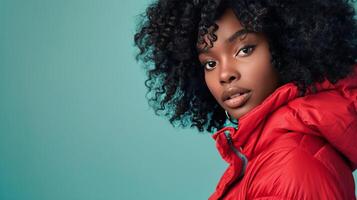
[
  {"x": 229, "y": 140},
  {"x": 257, "y": 115},
  {"x": 253, "y": 121},
  {"x": 281, "y": 96}
]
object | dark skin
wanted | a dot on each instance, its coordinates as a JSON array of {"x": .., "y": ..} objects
[{"x": 238, "y": 67}]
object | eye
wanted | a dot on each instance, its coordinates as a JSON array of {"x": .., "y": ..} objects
[
  {"x": 209, "y": 65},
  {"x": 246, "y": 50}
]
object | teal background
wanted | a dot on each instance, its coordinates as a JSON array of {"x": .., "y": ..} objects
[{"x": 74, "y": 121}]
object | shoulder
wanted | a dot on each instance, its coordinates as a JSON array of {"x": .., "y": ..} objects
[
  {"x": 290, "y": 171},
  {"x": 332, "y": 116}
]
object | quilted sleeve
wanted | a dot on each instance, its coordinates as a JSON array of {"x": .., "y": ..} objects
[
  {"x": 294, "y": 173},
  {"x": 271, "y": 198},
  {"x": 333, "y": 116}
]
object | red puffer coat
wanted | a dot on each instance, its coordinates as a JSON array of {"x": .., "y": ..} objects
[{"x": 292, "y": 147}]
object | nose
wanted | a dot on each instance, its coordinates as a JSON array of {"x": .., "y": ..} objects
[{"x": 229, "y": 73}]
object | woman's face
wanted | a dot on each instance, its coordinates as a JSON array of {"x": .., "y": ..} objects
[{"x": 238, "y": 69}]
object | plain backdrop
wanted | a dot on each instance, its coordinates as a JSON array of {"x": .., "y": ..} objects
[{"x": 74, "y": 121}]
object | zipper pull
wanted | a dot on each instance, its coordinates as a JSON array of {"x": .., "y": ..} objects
[{"x": 229, "y": 137}]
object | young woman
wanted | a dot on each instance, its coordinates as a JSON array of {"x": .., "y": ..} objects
[{"x": 283, "y": 71}]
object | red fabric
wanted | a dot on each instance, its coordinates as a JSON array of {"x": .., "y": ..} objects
[{"x": 297, "y": 147}]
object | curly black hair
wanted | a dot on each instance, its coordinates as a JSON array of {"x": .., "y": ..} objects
[{"x": 309, "y": 40}]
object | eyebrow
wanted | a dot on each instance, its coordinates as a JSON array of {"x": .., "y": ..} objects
[
  {"x": 237, "y": 35},
  {"x": 231, "y": 38}
]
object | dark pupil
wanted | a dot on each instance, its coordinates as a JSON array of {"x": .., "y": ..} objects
[
  {"x": 211, "y": 64},
  {"x": 246, "y": 50}
]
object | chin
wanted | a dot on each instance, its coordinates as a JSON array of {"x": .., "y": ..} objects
[{"x": 239, "y": 112}]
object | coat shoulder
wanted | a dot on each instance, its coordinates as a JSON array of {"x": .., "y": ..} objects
[{"x": 290, "y": 169}]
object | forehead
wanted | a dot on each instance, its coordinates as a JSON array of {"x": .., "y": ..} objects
[{"x": 228, "y": 24}]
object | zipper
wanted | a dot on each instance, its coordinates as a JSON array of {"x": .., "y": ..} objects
[{"x": 238, "y": 153}]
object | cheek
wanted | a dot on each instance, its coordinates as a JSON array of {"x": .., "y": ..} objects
[
  {"x": 212, "y": 85},
  {"x": 257, "y": 74},
  {"x": 263, "y": 70},
  {"x": 265, "y": 84},
  {"x": 261, "y": 76}
]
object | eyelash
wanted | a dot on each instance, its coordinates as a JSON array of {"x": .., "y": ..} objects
[{"x": 251, "y": 47}]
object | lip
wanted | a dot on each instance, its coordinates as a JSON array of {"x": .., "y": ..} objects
[
  {"x": 235, "y": 97},
  {"x": 238, "y": 101},
  {"x": 227, "y": 94}
]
